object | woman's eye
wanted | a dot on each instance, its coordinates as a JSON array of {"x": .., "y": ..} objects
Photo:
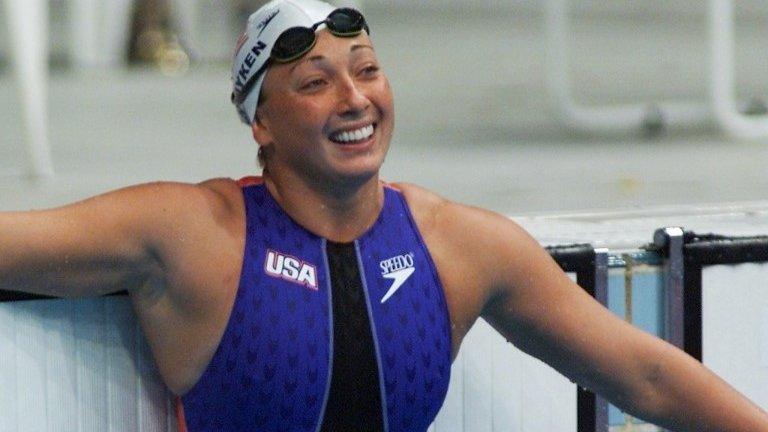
[
  {"x": 313, "y": 84},
  {"x": 370, "y": 70}
]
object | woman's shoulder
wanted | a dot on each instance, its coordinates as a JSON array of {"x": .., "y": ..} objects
[
  {"x": 420, "y": 200},
  {"x": 455, "y": 223},
  {"x": 227, "y": 189},
  {"x": 181, "y": 205},
  {"x": 433, "y": 210}
]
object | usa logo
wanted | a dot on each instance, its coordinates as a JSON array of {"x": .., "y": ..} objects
[
  {"x": 290, "y": 268},
  {"x": 398, "y": 268}
]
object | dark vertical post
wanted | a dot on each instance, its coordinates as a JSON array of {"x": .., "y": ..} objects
[
  {"x": 601, "y": 295},
  {"x": 591, "y": 268},
  {"x": 586, "y": 401},
  {"x": 693, "y": 303},
  {"x": 670, "y": 242}
]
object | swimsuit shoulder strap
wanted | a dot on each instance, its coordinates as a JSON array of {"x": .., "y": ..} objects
[{"x": 250, "y": 181}]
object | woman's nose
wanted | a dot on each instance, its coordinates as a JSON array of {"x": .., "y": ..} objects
[{"x": 352, "y": 101}]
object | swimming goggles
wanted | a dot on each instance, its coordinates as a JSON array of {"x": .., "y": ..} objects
[{"x": 297, "y": 41}]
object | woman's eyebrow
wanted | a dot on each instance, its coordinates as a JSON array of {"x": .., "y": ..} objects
[
  {"x": 358, "y": 46},
  {"x": 321, "y": 57},
  {"x": 307, "y": 60}
]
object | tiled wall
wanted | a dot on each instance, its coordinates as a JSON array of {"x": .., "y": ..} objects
[{"x": 78, "y": 366}]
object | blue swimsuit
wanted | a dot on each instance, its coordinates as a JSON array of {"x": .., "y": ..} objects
[{"x": 328, "y": 336}]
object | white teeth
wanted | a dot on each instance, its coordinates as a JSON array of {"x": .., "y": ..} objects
[{"x": 355, "y": 135}]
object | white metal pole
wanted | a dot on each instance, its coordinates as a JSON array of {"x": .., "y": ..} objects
[
  {"x": 28, "y": 24},
  {"x": 723, "y": 83},
  {"x": 84, "y": 46}
]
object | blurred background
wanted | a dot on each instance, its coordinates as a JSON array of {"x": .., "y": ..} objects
[
  {"x": 589, "y": 121},
  {"x": 493, "y": 99}
]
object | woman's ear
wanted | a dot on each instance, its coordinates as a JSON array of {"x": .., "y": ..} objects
[{"x": 260, "y": 130}]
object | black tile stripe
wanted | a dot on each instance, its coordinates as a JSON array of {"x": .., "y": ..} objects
[{"x": 580, "y": 259}]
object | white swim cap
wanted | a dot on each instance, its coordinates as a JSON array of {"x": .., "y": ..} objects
[{"x": 254, "y": 46}]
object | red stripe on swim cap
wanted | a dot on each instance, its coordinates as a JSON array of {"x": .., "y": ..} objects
[{"x": 240, "y": 42}]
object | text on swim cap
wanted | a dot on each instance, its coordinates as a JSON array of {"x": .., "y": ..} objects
[
  {"x": 265, "y": 22},
  {"x": 245, "y": 68}
]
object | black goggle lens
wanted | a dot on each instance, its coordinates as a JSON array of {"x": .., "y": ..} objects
[
  {"x": 346, "y": 22},
  {"x": 292, "y": 44}
]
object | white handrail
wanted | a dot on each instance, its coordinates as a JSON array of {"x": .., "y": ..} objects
[
  {"x": 722, "y": 84},
  {"x": 721, "y": 108}
]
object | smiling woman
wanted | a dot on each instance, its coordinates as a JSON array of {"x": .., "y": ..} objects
[{"x": 319, "y": 298}]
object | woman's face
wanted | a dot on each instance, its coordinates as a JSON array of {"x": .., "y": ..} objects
[{"x": 328, "y": 115}]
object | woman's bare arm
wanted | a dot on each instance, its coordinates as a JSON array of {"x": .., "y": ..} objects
[
  {"x": 547, "y": 315},
  {"x": 104, "y": 244}
]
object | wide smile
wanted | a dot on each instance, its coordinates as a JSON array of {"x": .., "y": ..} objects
[{"x": 360, "y": 135}]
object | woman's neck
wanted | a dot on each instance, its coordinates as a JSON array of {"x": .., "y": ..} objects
[{"x": 338, "y": 212}]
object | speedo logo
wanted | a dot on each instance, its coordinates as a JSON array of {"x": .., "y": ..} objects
[
  {"x": 290, "y": 268},
  {"x": 398, "y": 268},
  {"x": 265, "y": 22}
]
